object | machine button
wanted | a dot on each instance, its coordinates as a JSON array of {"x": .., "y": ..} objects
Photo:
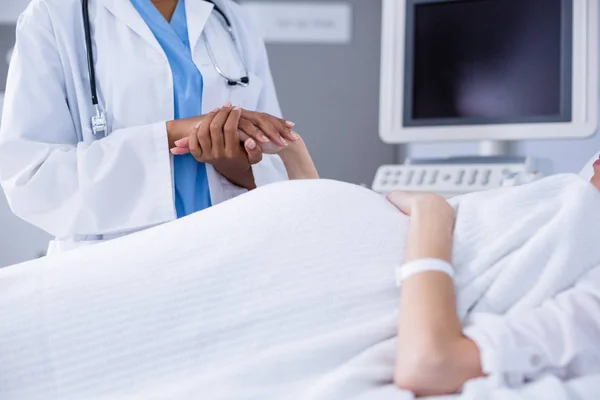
[
  {"x": 398, "y": 173},
  {"x": 459, "y": 178},
  {"x": 473, "y": 177},
  {"x": 410, "y": 176},
  {"x": 422, "y": 178},
  {"x": 434, "y": 177},
  {"x": 486, "y": 177}
]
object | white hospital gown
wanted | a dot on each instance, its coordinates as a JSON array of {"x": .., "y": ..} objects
[{"x": 562, "y": 337}]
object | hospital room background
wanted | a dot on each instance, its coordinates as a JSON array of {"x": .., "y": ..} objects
[{"x": 331, "y": 88}]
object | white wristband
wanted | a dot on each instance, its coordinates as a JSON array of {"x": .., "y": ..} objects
[{"x": 413, "y": 268}]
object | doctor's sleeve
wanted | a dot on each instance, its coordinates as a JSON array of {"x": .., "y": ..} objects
[
  {"x": 560, "y": 337},
  {"x": 53, "y": 180}
]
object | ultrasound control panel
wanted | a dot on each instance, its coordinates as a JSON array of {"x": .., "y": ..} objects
[{"x": 451, "y": 179}]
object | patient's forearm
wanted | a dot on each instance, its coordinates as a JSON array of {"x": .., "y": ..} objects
[
  {"x": 433, "y": 356},
  {"x": 298, "y": 162}
]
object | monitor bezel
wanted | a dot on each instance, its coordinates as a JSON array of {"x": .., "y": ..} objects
[{"x": 583, "y": 75}]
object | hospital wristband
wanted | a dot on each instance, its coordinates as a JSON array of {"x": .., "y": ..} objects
[{"x": 419, "y": 266}]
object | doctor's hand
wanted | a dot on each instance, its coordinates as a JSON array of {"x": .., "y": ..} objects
[
  {"x": 247, "y": 130},
  {"x": 265, "y": 128},
  {"x": 262, "y": 127},
  {"x": 215, "y": 141}
]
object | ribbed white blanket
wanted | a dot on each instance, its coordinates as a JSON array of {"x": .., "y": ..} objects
[{"x": 284, "y": 293}]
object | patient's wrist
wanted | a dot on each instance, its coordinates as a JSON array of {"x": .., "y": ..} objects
[
  {"x": 432, "y": 206},
  {"x": 297, "y": 161},
  {"x": 431, "y": 230},
  {"x": 293, "y": 148}
]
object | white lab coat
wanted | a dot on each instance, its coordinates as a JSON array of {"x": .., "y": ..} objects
[{"x": 82, "y": 189}]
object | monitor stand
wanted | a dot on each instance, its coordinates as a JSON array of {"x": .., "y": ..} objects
[
  {"x": 489, "y": 152},
  {"x": 494, "y": 148}
]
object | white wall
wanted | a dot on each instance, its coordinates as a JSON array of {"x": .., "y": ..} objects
[
  {"x": 19, "y": 241},
  {"x": 10, "y": 9}
]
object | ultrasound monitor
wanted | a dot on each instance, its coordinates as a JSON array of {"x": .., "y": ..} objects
[{"x": 489, "y": 70}]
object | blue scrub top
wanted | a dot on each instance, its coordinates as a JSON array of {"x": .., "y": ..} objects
[{"x": 192, "y": 192}]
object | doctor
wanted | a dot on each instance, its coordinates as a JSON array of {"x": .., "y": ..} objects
[{"x": 159, "y": 67}]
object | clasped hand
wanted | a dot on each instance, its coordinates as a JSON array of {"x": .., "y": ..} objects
[
  {"x": 231, "y": 140},
  {"x": 231, "y": 133}
]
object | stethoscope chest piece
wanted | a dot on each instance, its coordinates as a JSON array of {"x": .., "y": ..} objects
[{"x": 99, "y": 123}]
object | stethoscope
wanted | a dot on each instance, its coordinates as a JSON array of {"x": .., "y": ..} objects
[{"x": 99, "y": 121}]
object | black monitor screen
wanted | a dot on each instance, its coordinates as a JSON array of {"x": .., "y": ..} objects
[{"x": 488, "y": 61}]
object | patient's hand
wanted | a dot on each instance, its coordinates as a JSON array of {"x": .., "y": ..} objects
[
  {"x": 411, "y": 202},
  {"x": 432, "y": 224},
  {"x": 270, "y": 147}
]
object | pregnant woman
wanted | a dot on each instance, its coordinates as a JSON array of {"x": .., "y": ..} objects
[{"x": 300, "y": 300}]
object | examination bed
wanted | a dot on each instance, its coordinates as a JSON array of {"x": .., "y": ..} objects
[{"x": 285, "y": 293}]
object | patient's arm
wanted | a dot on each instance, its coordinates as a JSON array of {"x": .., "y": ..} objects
[
  {"x": 298, "y": 162},
  {"x": 433, "y": 357}
]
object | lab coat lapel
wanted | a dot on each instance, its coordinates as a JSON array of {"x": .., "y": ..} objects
[
  {"x": 197, "y": 12},
  {"x": 126, "y": 12}
]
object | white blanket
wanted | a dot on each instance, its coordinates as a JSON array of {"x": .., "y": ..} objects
[{"x": 285, "y": 293}]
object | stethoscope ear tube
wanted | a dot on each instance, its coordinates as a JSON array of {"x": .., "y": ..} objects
[
  {"x": 98, "y": 121},
  {"x": 244, "y": 81},
  {"x": 99, "y": 124},
  {"x": 90, "y": 55}
]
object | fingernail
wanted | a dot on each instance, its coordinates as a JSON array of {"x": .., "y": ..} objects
[
  {"x": 178, "y": 142},
  {"x": 284, "y": 142},
  {"x": 198, "y": 125},
  {"x": 290, "y": 124},
  {"x": 265, "y": 139},
  {"x": 173, "y": 151},
  {"x": 216, "y": 109},
  {"x": 296, "y": 136},
  {"x": 251, "y": 144},
  {"x": 236, "y": 108},
  {"x": 227, "y": 105}
]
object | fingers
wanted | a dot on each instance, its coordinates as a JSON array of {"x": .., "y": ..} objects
[
  {"x": 269, "y": 129},
  {"x": 185, "y": 142},
  {"x": 243, "y": 136},
  {"x": 255, "y": 154},
  {"x": 274, "y": 128},
  {"x": 200, "y": 142},
  {"x": 194, "y": 144},
  {"x": 232, "y": 140},
  {"x": 217, "y": 131},
  {"x": 408, "y": 202},
  {"x": 252, "y": 131},
  {"x": 284, "y": 127},
  {"x": 402, "y": 201},
  {"x": 180, "y": 151}
]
